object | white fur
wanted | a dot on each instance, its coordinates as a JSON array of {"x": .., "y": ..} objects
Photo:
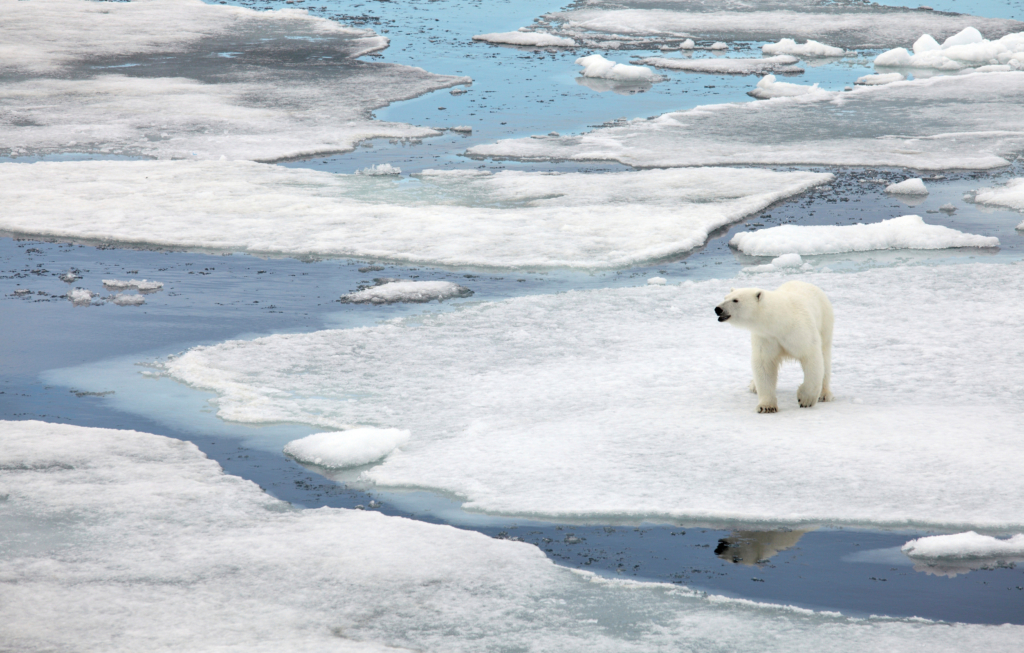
[{"x": 793, "y": 321}]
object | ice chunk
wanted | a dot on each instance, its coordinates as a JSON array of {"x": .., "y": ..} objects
[
  {"x": 18, "y": 292},
  {"x": 407, "y": 291},
  {"x": 614, "y": 402},
  {"x": 768, "y": 88},
  {"x": 122, "y": 299},
  {"x": 782, "y": 63},
  {"x": 68, "y": 277},
  {"x": 535, "y": 39},
  {"x": 965, "y": 50},
  {"x": 140, "y": 79},
  {"x": 688, "y": 44},
  {"x": 350, "y": 448},
  {"x": 1011, "y": 195},
  {"x": 913, "y": 186},
  {"x": 463, "y": 129},
  {"x": 597, "y": 66},
  {"x": 81, "y": 296},
  {"x": 809, "y": 49},
  {"x": 966, "y": 36},
  {"x": 925, "y": 44},
  {"x": 145, "y": 544},
  {"x": 786, "y": 261},
  {"x": 144, "y": 285},
  {"x": 718, "y": 45},
  {"x": 904, "y": 232},
  {"x": 965, "y": 546},
  {"x": 464, "y": 217},
  {"x": 380, "y": 170},
  {"x": 656, "y": 281},
  {"x": 880, "y": 79},
  {"x": 983, "y": 132}
]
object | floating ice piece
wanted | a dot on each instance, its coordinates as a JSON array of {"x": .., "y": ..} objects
[
  {"x": 68, "y": 277},
  {"x": 768, "y": 88},
  {"x": 139, "y": 79},
  {"x": 380, "y": 170},
  {"x": 904, "y": 232},
  {"x": 407, "y": 291},
  {"x": 964, "y": 50},
  {"x": 782, "y": 63},
  {"x": 718, "y": 45},
  {"x": 197, "y": 545},
  {"x": 966, "y": 36},
  {"x": 984, "y": 132},
  {"x": 597, "y": 66},
  {"x": 23, "y": 291},
  {"x": 463, "y": 129},
  {"x": 688, "y": 44},
  {"x": 458, "y": 91},
  {"x": 535, "y": 39},
  {"x": 879, "y": 79},
  {"x": 965, "y": 546},
  {"x": 656, "y": 281},
  {"x": 463, "y": 217},
  {"x": 1011, "y": 195},
  {"x": 784, "y": 262},
  {"x": 351, "y": 448},
  {"x": 809, "y": 49},
  {"x": 591, "y": 403},
  {"x": 144, "y": 285},
  {"x": 122, "y": 299},
  {"x": 80, "y": 296},
  {"x": 908, "y": 187}
]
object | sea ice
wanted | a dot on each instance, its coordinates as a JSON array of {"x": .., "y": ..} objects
[
  {"x": 780, "y": 263},
  {"x": 632, "y": 403},
  {"x": 407, "y": 291},
  {"x": 809, "y": 49},
  {"x": 967, "y": 49},
  {"x": 768, "y": 88},
  {"x": 142, "y": 79},
  {"x": 964, "y": 546},
  {"x": 80, "y": 296},
  {"x": 122, "y": 541},
  {"x": 461, "y": 217},
  {"x": 351, "y": 448},
  {"x": 782, "y": 63},
  {"x": 380, "y": 170},
  {"x": 913, "y": 186},
  {"x": 597, "y": 66},
  {"x": 529, "y": 39},
  {"x": 688, "y": 44},
  {"x": 144, "y": 285},
  {"x": 122, "y": 299},
  {"x": 878, "y": 79},
  {"x": 656, "y": 281},
  {"x": 904, "y": 232},
  {"x": 1011, "y": 195},
  {"x": 966, "y": 121}
]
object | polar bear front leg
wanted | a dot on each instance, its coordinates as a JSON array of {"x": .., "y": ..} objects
[
  {"x": 765, "y": 356},
  {"x": 814, "y": 374}
]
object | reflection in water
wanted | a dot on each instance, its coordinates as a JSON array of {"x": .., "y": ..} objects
[
  {"x": 601, "y": 85},
  {"x": 753, "y": 547},
  {"x": 952, "y": 568}
]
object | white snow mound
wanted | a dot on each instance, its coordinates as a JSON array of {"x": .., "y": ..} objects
[
  {"x": 768, "y": 88},
  {"x": 597, "y": 66},
  {"x": 407, "y": 291},
  {"x": 809, "y": 49},
  {"x": 913, "y": 186},
  {"x": 904, "y": 232},
  {"x": 1011, "y": 195},
  {"x": 537, "y": 39},
  {"x": 965, "y": 546},
  {"x": 351, "y": 448}
]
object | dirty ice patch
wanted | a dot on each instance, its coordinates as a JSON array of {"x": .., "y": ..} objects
[
  {"x": 913, "y": 186},
  {"x": 633, "y": 403},
  {"x": 597, "y": 66},
  {"x": 769, "y": 88},
  {"x": 509, "y": 219},
  {"x": 983, "y": 132},
  {"x": 780, "y": 264},
  {"x": 142, "y": 79},
  {"x": 1011, "y": 195},
  {"x": 527, "y": 39},
  {"x": 904, "y": 232},
  {"x": 966, "y": 49},
  {"x": 351, "y": 448},
  {"x": 140, "y": 543},
  {"x": 809, "y": 49},
  {"x": 782, "y": 63},
  {"x": 407, "y": 291},
  {"x": 142, "y": 286}
]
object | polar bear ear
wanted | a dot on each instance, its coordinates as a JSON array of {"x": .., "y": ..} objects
[
  {"x": 732, "y": 290},
  {"x": 758, "y": 295}
]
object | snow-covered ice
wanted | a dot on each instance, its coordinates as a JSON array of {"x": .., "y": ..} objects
[
  {"x": 879, "y": 79},
  {"x": 122, "y": 299},
  {"x": 904, "y": 232},
  {"x": 968, "y": 122},
  {"x": 809, "y": 49},
  {"x": 351, "y": 448},
  {"x": 597, "y": 66},
  {"x": 380, "y": 170},
  {"x": 461, "y": 217},
  {"x": 781, "y": 263},
  {"x": 633, "y": 403},
  {"x": 966, "y": 49},
  {"x": 140, "y": 79},
  {"x": 769, "y": 88},
  {"x": 782, "y": 63},
  {"x": 688, "y": 44},
  {"x": 657, "y": 281},
  {"x": 80, "y": 296},
  {"x": 123, "y": 541},
  {"x": 965, "y": 546},
  {"x": 914, "y": 186},
  {"x": 1010, "y": 195},
  {"x": 143, "y": 286},
  {"x": 528, "y": 39},
  {"x": 407, "y": 291}
]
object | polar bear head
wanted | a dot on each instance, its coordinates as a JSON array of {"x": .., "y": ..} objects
[{"x": 740, "y": 307}]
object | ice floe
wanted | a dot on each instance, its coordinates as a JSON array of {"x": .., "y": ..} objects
[
  {"x": 879, "y": 79},
  {"x": 782, "y": 63},
  {"x": 407, "y": 291},
  {"x": 809, "y": 49},
  {"x": 80, "y": 296},
  {"x": 462, "y": 217},
  {"x": 1010, "y": 195},
  {"x": 904, "y": 232},
  {"x": 781, "y": 263},
  {"x": 964, "y": 546},
  {"x": 529, "y": 39},
  {"x": 351, "y": 448},
  {"x": 913, "y": 186},
  {"x": 966, "y": 49},
  {"x": 769, "y": 88},
  {"x": 121, "y": 299},
  {"x": 142, "y": 79},
  {"x": 143, "y": 286},
  {"x": 597, "y": 66},
  {"x": 633, "y": 403},
  {"x": 135, "y": 542},
  {"x": 983, "y": 132},
  {"x": 380, "y": 170}
]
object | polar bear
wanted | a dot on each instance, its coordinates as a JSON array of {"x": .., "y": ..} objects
[{"x": 793, "y": 321}]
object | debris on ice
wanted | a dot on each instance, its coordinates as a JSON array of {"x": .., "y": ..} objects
[{"x": 351, "y": 448}]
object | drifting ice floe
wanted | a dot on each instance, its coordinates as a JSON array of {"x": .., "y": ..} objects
[
  {"x": 1011, "y": 195},
  {"x": 339, "y": 449},
  {"x": 768, "y": 88},
  {"x": 879, "y": 79},
  {"x": 809, "y": 49},
  {"x": 597, "y": 66},
  {"x": 965, "y": 546},
  {"x": 509, "y": 219},
  {"x": 142, "y": 79},
  {"x": 633, "y": 402},
  {"x": 908, "y": 187},
  {"x": 904, "y": 232},
  {"x": 380, "y": 170},
  {"x": 142, "y": 543},
  {"x": 407, "y": 291},
  {"x": 80, "y": 296},
  {"x": 534, "y": 39},
  {"x": 782, "y": 63},
  {"x": 143, "y": 286},
  {"x": 967, "y": 49},
  {"x": 983, "y": 132},
  {"x": 121, "y": 299}
]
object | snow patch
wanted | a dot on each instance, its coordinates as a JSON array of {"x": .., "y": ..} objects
[{"x": 351, "y": 448}]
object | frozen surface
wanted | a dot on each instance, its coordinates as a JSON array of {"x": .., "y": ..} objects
[
  {"x": 969, "y": 121},
  {"x": 1011, "y": 195},
  {"x": 964, "y": 546},
  {"x": 462, "y": 217},
  {"x": 144, "y": 285},
  {"x": 597, "y": 66},
  {"x": 407, "y": 291},
  {"x": 145, "y": 79},
  {"x": 769, "y": 88},
  {"x": 782, "y": 63},
  {"x": 904, "y": 232},
  {"x": 351, "y": 448},
  {"x": 537, "y": 39},
  {"x": 880, "y": 79},
  {"x": 125, "y": 541},
  {"x": 913, "y": 186},
  {"x": 809, "y": 49},
  {"x": 966, "y": 49},
  {"x": 634, "y": 402}
]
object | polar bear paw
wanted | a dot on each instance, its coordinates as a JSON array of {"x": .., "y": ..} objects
[
  {"x": 767, "y": 409},
  {"x": 826, "y": 396}
]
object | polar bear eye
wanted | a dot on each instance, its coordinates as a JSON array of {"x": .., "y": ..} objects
[{"x": 735, "y": 301}]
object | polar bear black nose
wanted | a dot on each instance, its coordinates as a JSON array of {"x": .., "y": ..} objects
[{"x": 718, "y": 310}]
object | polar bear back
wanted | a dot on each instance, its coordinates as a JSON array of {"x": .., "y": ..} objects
[{"x": 798, "y": 314}]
